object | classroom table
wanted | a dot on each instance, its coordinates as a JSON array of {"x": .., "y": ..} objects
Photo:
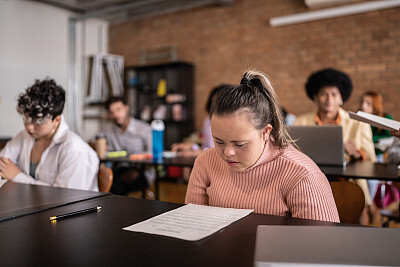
[
  {"x": 166, "y": 162},
  {"x": 173, "y": 161},
  {"x": 97, "y": 238},
  {"x": 17, "y": 199},
  {"x": 363, "y": 170},
  {"x": 354, "y": 170}
]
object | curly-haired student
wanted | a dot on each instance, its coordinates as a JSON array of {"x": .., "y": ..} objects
[
  {"x": 47, "y": 152},
  {"x": 253, "y": 164},
  {"x": 329, "y": 89}
]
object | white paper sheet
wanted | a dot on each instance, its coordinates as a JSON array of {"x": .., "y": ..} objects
[
  {"x": 2, "y": 182},
  {"x": 190, "y": 222},
  {"x": 377, "y": 121}
]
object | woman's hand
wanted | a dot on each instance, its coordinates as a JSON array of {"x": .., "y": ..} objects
[
  {"x": 8, "y": 170},
  {"x": 193, "y": 153},
  {"x": 352, "y": 151},
  {"x": 180, "y": 147},
  {"x": 396, "y": 133}
]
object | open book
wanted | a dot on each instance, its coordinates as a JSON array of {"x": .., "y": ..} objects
[{"x": 377, "y": 121}]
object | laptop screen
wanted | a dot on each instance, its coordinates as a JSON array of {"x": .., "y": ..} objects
[{"x": 323, "y": 144}]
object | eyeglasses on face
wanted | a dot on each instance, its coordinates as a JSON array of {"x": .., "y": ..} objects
[{"x": 36, "y": 122}]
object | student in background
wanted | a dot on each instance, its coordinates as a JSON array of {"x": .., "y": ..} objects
[
  {"x": 329, "y": 89},
  {"x": 134, "y": 136},
  {"x": 289, "y": 117},
  {"x": 393, "y": 152},
  {"x": 47, "y": 152},
  {"x": 193, "y": 149},
  {"x": 372, "y": 102},
  {"x": 253, "y": 164}
]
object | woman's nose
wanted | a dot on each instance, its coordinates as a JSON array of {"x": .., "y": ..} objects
[
  {"x": 29, "y": 126},
  {"x": 229, "y": 151}
]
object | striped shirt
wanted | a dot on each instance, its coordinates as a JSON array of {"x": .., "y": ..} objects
[{"x": 282, "y": 182}]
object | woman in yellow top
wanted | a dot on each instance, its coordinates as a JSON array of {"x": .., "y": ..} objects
[{"x": 329, "y": 89}]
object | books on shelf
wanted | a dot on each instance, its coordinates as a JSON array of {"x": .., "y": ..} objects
[
  {"x": 377, "y": 121},
  {"x": 105, "y": 77}
]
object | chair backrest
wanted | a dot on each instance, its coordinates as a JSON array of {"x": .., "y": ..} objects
[
  {"x": 350, "y": 201},
  {"x": 105, "y": 178}
]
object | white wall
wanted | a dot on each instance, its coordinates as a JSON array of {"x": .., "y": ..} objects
[
  {"x": 34, "y": 45},
  {"x": 92, "y": 38}
]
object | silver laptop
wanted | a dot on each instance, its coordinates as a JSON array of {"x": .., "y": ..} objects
[
  {"x": 293, "y": 245},
  {"x": 323, "y": 144}
]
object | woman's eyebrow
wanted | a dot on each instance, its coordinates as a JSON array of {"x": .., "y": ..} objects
[
  {"x": 233, "y": 141},
  {"x": 238, "y": 141},
  {"x": 219, "y": 139}
]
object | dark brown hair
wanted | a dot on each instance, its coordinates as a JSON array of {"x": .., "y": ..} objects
[
  {"x": 257, "y": 96},
  {"x": 115, "y": 99},
  {"x": 44, "y": 99}
]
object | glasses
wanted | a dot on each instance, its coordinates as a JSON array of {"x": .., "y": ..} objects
[{"x": 35, "y": 122}]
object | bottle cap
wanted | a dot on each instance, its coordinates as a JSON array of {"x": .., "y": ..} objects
[
  {"x": 100, "y": 135},
  {"x": 157, "y": 125}
]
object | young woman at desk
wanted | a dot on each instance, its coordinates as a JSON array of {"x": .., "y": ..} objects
[
  {"x": 329, "y": 89},
  {"x": 47, "y": 152},
  {"x": 253, "y": 165}
]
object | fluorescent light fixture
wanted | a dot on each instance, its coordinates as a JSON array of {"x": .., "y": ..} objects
[
  {"x": 333, "y": 12},
  {"x": 319, "y": 3}
]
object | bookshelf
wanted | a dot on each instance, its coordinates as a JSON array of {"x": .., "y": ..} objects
[{"x": 163, "y": 91}]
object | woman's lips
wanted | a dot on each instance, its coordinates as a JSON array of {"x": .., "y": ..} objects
[{"x": 232, "y": 163}]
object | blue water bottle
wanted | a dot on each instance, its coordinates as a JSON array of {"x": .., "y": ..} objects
[{"x": 158, "y": 139}]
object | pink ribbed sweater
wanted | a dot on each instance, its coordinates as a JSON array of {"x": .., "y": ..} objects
[{"x": 282, "y": 182}]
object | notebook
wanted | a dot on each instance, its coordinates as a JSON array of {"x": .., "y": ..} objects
[
  {"x": 293, "y": 245},
  {"x": 323, "y": 144}
]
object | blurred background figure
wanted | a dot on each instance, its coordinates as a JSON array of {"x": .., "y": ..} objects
[
  {"x": 372, "y": 102},
  {"x": 191, "y": 149},
  {"x": 289, "y": 117},
  {"x": 131, "y": 135}
]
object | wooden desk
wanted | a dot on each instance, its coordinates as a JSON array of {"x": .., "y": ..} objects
[
  {"x": 363, "y": 170},
  {"x": 175, "y": 161},
  {"x": 358, "y": 169},
  {"x": 18, "y": 199},
  {"x": 97, "y": 239},
  {"x": 355, "y": 170}
]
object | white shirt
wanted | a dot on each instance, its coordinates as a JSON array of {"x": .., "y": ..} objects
[{"x": 68, "y": 162}]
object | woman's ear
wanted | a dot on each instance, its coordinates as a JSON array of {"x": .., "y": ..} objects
[
  {"x": 266, "y": 131},
  {"x": 57, "y": 119}
]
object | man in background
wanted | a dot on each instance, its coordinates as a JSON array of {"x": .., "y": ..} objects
[{"x": 134, "y": 136}]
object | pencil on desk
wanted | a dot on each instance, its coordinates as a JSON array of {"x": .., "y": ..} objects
[{"x": 53, "y": 218}]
